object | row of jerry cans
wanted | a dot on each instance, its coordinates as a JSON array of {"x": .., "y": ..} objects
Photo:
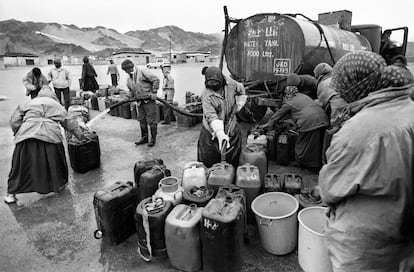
[
  {"x": 279, "y": 144},
  {"x": 194, "y": 238},
  {"x": 189, "y": 121}
]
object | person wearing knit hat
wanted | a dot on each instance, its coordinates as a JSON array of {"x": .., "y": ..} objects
[
  {"x": 306, "y": 84},
  {"x": 142, "y": 82},
  {"x": 221, "y": 99},
  {"x": 367, "y": 182}
]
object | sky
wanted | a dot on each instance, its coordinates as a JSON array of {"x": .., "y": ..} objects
[{"x": 194, "y": 15}]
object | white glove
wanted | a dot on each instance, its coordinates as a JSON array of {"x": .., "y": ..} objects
[
  {"x": 218, "y": 131},
  {"x": 240, "y": 101}
]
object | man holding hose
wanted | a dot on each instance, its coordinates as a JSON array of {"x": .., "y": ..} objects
[
  {"x": 221, "y": 98},
  {"x": 142, "y": 82}
]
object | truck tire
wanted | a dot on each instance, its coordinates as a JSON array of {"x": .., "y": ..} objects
[{"x": 251, "y": 112}]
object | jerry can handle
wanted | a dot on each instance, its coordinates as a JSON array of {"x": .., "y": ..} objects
[{"x": 265, "y": 222}]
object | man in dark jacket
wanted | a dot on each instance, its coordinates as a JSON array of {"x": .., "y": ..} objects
[{"x": 141, "y": 82}]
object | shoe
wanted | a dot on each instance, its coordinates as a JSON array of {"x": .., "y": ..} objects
[
  {"x": 165, "y": 123},
  {"x": 143, "y": 140},
  {"x": 10, "y": 199},
  {"x": 151, "y": 143}
]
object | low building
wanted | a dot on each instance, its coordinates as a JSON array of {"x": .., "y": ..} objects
[
  {"x": 20, "y": 59},
  {"x": 187, "y": 56},
  {"x": 137, "y": 57}
]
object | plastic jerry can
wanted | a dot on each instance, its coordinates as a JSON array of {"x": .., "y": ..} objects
[
  {"x": 101, "y": 103},
  {"x": 256, "y": 155},
  {"x": 198, "y": 195},
  {"x": 222, "y": 235},
  {"x": 248, "y": 179},
  {"x": 273, "y": 183},
  {"x": 150, "y": 224},
  {"x": 284, "y": 149},
  {"x": 272, "y": 137},
  {"x": 221, "y": 174},
  {"x": 148, "y": 182},
  {"x": 114, "y": 212},
  {"x": 94, "y": 102},
  {"x": 194, "y": 174},
  {"x": 182, "y": 237},
  {"x": 85, "y": 156},
  {"x": 293, "y": 183},
  {"x": 170, "y": 189},
  {"x": 141, "y": 166},
  {"x": 257, "y": 138}
]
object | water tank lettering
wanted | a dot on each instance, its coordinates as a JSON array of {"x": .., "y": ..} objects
[
  {"x": 253, "y": 53},
  {"x": 271, "y": 31},
  {"x": 251, "y": 44},
  {"x": 254, "y": 33},
  {"x": 271, "y": 43},
  {"x": 267, "y": 54},
  {"x": 281, "y": 67}
]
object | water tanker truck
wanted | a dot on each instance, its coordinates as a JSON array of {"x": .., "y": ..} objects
[{"x": 262, "y": 50}]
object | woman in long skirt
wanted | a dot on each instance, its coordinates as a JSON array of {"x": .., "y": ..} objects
[{"x": 39, "y": 161}]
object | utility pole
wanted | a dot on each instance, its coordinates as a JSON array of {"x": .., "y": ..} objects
[{"x": 170, "y": 50}]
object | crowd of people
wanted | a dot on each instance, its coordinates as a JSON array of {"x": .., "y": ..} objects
[{"x": 354, "y": 122}]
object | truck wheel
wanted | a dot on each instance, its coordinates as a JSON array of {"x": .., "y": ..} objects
[{"x": 251, "y": 112}]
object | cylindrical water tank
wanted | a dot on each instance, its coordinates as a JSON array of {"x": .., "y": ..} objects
[{"x": 270, "y": 46}]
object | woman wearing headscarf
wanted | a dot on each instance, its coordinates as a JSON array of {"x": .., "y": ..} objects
[
  {"x": 311, "y": 122},
  {"x": 39, "y": 161},
  {"x": 368, "y": 179},
  {"x": 88, "y": 76},
  {"x": 221, "y": 99}
]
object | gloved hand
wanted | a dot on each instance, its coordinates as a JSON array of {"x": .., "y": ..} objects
[
  {"x": 407, "y": 264},
  {"x": 240, "y": 101},
  {"x": 218, "y": 131},
  {"x": 221, "y": 136}
]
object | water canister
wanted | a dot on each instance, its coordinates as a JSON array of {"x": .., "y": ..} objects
[
  {"x": 312, "y": 252},
  {"x": 270, "y": 46},
  {"x": 222, "y": 235},
  {"x": 256, "y": 155},
  {"x": 292, "y": 183},
  {"x": 101, "y": 103},
  {"x": 272, "y": 144},
  {"x": 276, "y": 220},
  {"x": 195, "y": 174},
  {"x": 142, "y": 166},
  {"x": 197, "y": 195},
  {"x": 182, "y": 237},
  {"x": 257, "y": 138},
  {"x": 284, "y": 149},
  {"x": 248, "y": 179},
  {"x": 273, "y": 183},
  {"x": 170, "y": 189},
  {"x": 148, "y": 182},
  {"x": 94, "y": 102},
  {"x": 150, "y": 223},
  {"x": 221, "y": 174}
]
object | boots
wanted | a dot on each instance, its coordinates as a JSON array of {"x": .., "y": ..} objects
[
  {"x": 144, "y": 136},
  {"x": 153, "y": 128}
]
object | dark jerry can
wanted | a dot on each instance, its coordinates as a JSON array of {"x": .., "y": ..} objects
[
  {"x": 114, "y": 212},
  {"x": 272, "y": 137},
  {"x": 256, "y": 155},
  {"x": 142, "y": 166},
  {"x": 94, "y": 102},
  {"x": 85, "y": 156},
  {"x": 150, "y": 218},
  {"x": 222, "y": 226},
  {"x": 148, "y": 182},
  {"x": 182, "y": 237},
  {"x": 221, "y": 174},
  {"x": 248, "y": 179},
  {"x": 284, "y": 149},
  {"x": 197, "y": 195}
]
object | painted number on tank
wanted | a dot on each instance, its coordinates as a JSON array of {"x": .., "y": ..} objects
[
  {"x": 281, "y": 67},
  {"x": 208, "y": 224},
  {"x": 253, "y": 53}
]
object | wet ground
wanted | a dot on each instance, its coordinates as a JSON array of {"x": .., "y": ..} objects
[{"x": 54, "y": 232}]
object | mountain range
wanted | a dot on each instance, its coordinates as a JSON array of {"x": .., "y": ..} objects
[{"x": 62, "y": 39}]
